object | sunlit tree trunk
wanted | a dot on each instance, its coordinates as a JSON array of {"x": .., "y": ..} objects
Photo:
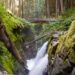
[
  {"x": 57, "y": 9},
  {"x": 6, "y": 3},
  {"x": 48, "y": 8},
  {"x": 13, "y": 6},
  {"x": 10, "y": 4},
  {"x": 20, "y": 8},
  {"x": 62, "y": 6}
]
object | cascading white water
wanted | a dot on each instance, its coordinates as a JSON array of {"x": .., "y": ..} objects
[
  {"x": 31, "y": 63},
  {"x": 38, "y": 64},
  {"x": 41, "y": 52}
]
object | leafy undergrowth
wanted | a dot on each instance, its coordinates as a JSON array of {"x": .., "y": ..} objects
[
  {"x": 54, "y": 25},
  {"x": 15, "y": 27},
  {"x": 12, "y": 22},
  {"x": 6, "y": 59},
  {"x": 70, "y": 12},
  {"x": 44, "y": 28}
]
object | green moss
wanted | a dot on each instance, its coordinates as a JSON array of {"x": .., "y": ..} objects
[
  {"x": 70, "y": 12},
  {"x": 61, "y": 43},
  {"x": 71, "y": 31},
  {"x": 72, "y": 56},
  {"x": 6, "y": 59},
  {"x": 50, "y": 47},
  {"x": 65, "y": 45},
  {"x": 12, "y": 23},
  {"x": 67, "y": 60},
  {"x": 50, "y": 50},
  {"x": 70, "y": 41},
  {"x": 66, "y": 42},
  {"x": 8, "y": 64}
]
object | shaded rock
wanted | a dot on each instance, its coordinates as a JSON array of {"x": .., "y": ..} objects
[
  {"x": 1, "y": 68},
  {"x": 55, "y": 36},
  {"x": 57, "y": 67},
  {"x": 55, "y": 43},
  {"x": 4, "y": 73},
  {"x": 1, "y": 73},
  {"x": 73, "y": 72},
  {"x": 60, "y": 68},
  {"x": 60, "y": 32}
]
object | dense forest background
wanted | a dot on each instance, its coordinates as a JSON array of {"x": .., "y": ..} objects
[
  {"x": 26, "y": 20},
  {"x": 40, "y": 8}
]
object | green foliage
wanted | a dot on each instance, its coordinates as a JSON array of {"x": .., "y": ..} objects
[
  {"x": 6, "y": 59},
  {"x": 43, "y": 28},
  {"x": 66, "y": 43},
  {"x": 59, "y": 17},
  {"x": 12, "y": 23},
  {"x": 8, "y": 64},
  {"x": 70, "y": 12},
  {"x": 54, "y": 25},
  {"x": 2, "y": 3},
  {"x": 33, "y": 8}
]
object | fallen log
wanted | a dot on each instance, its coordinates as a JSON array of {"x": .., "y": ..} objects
[
  {"x": 6, "y": 39},
  {"x": 36, "y": 20},
  {"x": 48, "y": 34}
]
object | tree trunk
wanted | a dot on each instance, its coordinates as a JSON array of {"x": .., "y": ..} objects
[
  {"x": 10, "y": 4},
  {"x": 6, "y": 2},
  {"x": 48, "y": 8},
  {"x": 71, "y": 3},
  {"x": 14, "y": 6},
  {"x": 36, "y": 20},
  {"x": 4, "y": 36},
  {"x": 22, "y": 8},
  {"x": 57, "y": 9},
  {"x": 8, "y": 43},
  {"x": 62, "y": 6}
]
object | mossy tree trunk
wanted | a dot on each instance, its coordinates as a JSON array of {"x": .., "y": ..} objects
[{"x": 6, "y": 39}]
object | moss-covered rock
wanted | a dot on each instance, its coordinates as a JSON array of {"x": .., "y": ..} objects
[{"x": 64, "y": 57}]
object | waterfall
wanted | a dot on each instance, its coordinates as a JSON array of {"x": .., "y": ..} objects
[
  {"x": 41, "y": 52},
  {"x": 32, "y": 62},
  {"x": 38, "y": 64}
]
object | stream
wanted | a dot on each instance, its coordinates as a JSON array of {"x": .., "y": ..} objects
[{"x": 38, "y": 64}]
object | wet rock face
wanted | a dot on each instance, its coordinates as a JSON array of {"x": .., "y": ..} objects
[
  {"x": 73, "y": 72},
  {"x": 4, "y": 73},
  {"x": 58, "y": 67},
  {"x": 62, "y": 61},
  {"x": 30, "y": 51}
]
